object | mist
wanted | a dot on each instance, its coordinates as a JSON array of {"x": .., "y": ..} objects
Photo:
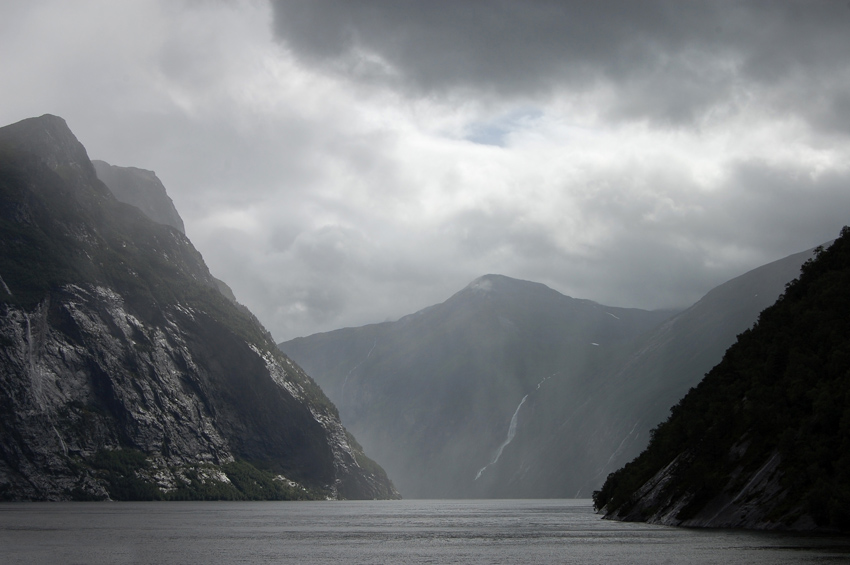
[{"x": 346, "y": 163}]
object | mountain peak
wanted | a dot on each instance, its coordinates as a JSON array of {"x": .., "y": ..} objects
[
  {"x": 482, "y": 284},
  {"x": 503, "y": 287},
  {"x": 50, "y": 138}
]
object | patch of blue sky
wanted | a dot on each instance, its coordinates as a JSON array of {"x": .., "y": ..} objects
[{"x": 496, "y": 131}]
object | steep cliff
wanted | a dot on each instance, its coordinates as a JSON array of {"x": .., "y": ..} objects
[
  {"x": 124, "y": 372},
  {"x": 764, "y": 440},
  {"x": 143, "y": 189}
]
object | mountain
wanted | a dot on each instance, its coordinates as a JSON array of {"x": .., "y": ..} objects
[
  {"x": 142, "y": 189},
  {"x": 510, "y": 389},
  {"x": 124, "y": 372},
  {"x": 432, "y": 395},
  {"x": 574, "y": 432},
  {"x": 764, "y": 440}
]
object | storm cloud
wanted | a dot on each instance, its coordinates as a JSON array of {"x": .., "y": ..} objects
[
  {"x": 670, "y": 62},
  {"x": 346, "y": 162}
]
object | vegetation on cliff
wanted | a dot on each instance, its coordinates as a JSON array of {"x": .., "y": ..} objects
[{"x": 781, "y": 391}]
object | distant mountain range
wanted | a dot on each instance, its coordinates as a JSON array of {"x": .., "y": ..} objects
[
  {"x": 433, "y": 393},
  {"x": 511, "y": 389},
  {"x": 764, "y": 440},
  {"x": 125, "y": 373}
]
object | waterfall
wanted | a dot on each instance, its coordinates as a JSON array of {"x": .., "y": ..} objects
[
  {"x": 511, "y": 434},
  {"x": 345, "y": 381},
  {"x": 29, "y": 345},
  {"x": 6, "y": 288},
  {"x": 511, "y": 428},
  {"x": 61, "y": 441},
  {"x": 35, "y": 377},
  {"x": 38, "y": 392}
]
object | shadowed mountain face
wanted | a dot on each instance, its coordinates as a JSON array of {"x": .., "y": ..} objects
[
  {"x": 433, "y": 394},
  {"x": 602, "y": 419},
  {"x": 764, "y": 440},
  {"x": 124, "y": 372},
  {"x": 142, "y": 189},
  {"x": 510, "y": 389}
]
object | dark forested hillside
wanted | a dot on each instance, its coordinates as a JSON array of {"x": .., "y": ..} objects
[{"x": 764, "y": 440}]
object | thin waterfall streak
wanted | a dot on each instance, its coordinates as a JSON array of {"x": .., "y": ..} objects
[
  {"x": 546, "y": 379},
  {"x": 512, "y": 428},
  {"x": 345, "y": 381},
  {"x": 34, "y": 373},
  {"x": 620, "y": 447},
  {"x": 61, "y": 441},
  {"x": 29, "y": 344},
  {"x": 511, "y": 434},
  {"x": 6, "y": 288}
]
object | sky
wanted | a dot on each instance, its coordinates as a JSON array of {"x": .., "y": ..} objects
[{"x": 345, "y": 162}]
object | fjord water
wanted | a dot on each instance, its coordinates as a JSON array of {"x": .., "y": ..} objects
[{"x": 398, "y": 532}]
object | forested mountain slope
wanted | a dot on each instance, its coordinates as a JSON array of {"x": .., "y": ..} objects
[{"x": 764, "y": 440}]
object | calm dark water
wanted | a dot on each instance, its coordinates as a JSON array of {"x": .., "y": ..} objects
[{"x": 398, "y": 532}]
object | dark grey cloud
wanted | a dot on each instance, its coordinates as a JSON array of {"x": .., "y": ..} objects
[
  {"x": 345, "y": 162},
  {"x": 669, "y": 61}
]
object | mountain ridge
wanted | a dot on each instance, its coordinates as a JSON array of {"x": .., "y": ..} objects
[
  {"x": 142, "y": 189},
  {"x": 449, "y": 377},
  {"x": 578, "y": 404},
  {"x": 629, "y": 396},
  {"x": 124, "y": 372}
]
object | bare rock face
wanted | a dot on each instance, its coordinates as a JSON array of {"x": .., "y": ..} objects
[{"x": 124, "y": 372}]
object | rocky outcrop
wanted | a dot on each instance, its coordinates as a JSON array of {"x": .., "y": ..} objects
[
  {"x": 749, "y": 499},
  {"x": 124, "y": 372}
]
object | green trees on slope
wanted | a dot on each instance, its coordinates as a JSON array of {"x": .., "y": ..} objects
[{"x": 783, "y": 388}]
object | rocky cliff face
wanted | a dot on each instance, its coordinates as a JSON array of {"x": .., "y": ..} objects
[
  {"x": 750, "y": 501},
  {"x": 143, "y": 190},
  {"x": 123, "y": 370}
]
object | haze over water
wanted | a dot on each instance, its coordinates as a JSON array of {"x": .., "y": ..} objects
[{"x": 402, "y": 532}]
